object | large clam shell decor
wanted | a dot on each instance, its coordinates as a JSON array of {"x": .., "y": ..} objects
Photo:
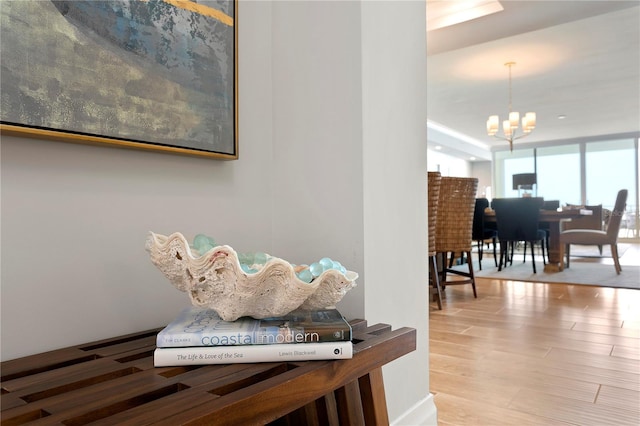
[{"x": 236, "y": 285}]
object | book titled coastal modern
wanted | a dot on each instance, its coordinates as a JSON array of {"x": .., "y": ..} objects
[
  {"x": 196, "y": 326},
  {"x": 205, "y": 355}
]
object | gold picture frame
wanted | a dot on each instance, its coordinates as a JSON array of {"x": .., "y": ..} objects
[{"x": 156, "y": 75}]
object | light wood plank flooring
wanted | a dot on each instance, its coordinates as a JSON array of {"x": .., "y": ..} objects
[{"x": 537, "y": 354}]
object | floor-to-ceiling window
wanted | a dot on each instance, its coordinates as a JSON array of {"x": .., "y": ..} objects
[
  {"x": 610, "y": 166},
  {"x": 558, "y": 173},
  {"x": 507, "y": 164},
  {"x": 584, "y": 173}
]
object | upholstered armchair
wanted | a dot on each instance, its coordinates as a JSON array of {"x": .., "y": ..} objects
[
  {"x": 598, "y": 237},
  {"x": 593, "y": 221}
]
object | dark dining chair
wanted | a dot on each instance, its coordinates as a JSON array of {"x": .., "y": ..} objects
[
  {"x": 483, "y": 231},
  {"x": 542, "y": 237},
  {"x": 548, "y": 205},
  {"x": 517, "y": 220},
  {"x": 595, "y": 237}
]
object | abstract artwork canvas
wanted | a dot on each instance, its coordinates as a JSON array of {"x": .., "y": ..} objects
[{"x": 150, "y": 74}]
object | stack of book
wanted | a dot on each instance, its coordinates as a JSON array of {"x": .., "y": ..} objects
[{"x": 199, "y": 336}]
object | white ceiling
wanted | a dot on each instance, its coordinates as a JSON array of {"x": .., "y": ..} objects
[{"x": 580, "y": 59}]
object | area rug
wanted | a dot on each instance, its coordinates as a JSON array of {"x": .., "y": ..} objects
[
  {"x": 586, "y": 273},
  {"x": 592, "y": 251},
  {"x": 586, "y": 251}
]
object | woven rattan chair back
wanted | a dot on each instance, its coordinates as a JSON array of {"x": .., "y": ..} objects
[
  {"x": 456, "y": 204},
  {"x": 433, "y": 192},
  {"x": 454, "y": 226}
]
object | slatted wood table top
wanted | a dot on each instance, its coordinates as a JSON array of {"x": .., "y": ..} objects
[{"x": 113, "y": 381}]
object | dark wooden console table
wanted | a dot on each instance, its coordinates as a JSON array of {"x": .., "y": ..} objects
[{"x": 113, "y": 381}]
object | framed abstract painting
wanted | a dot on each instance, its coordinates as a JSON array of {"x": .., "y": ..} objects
[{"x": 155, "y": 74}]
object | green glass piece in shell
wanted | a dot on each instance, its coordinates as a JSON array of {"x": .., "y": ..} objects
[
  {"x": 326, "y": 263},
  {"x": 203, "y": 244},
  {"x": 199, "y": 240},
  {"x": 316, "y": 269},
  {"x": 260, "y": 258},
  {"x": 245, "y": 259},
  {"x": 337, "y": 265},
  {"x": 305, "y": 275},
  {"x": 247, "y": 269}
]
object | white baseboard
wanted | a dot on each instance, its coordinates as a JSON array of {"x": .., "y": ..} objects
[{"x": 424, "y": 413}]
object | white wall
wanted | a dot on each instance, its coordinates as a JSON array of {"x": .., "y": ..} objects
[
  {"x": 447, "y": 165},
  {"x": 317, "y": 153},
  {"x": 452, "y": 166},
  {"x": 331, "y": 164},
  {"x": 395, "y": 190},
  {"x": 482, "y": 171}
]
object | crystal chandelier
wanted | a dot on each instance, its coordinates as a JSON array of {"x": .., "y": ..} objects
[{"x": 510, "y": 126}]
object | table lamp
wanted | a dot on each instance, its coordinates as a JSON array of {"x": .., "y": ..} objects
[{"x": 525, "y": 184}]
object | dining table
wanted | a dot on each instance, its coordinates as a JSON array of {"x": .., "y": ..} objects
[{"x": 553, "y": 218}]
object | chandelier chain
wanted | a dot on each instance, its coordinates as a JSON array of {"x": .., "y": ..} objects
[{"x": 509, "y": 64}]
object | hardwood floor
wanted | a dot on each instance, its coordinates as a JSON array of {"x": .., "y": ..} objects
[{"x": 537, "y": 354}]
